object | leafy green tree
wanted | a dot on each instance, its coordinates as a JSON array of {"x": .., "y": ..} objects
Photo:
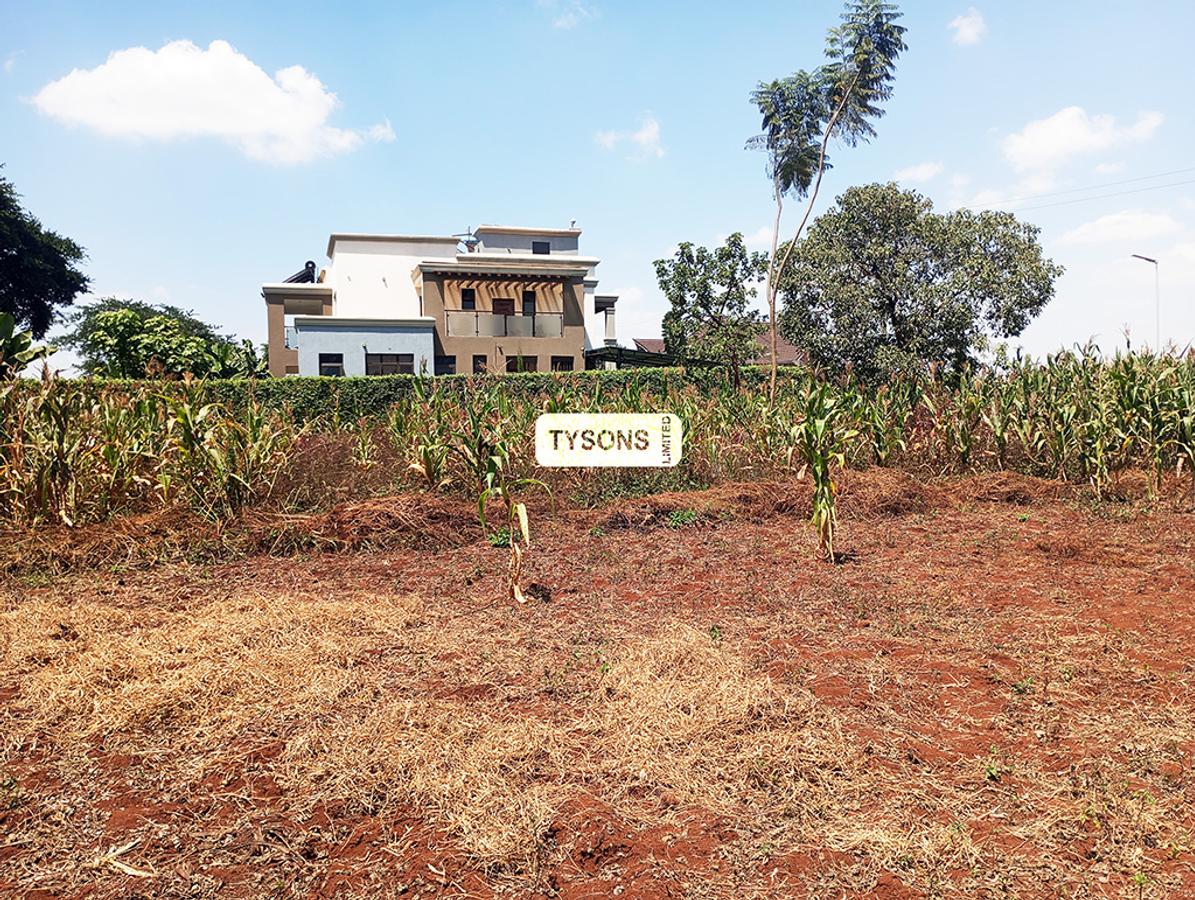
[
  {"x": 801, "y": 113},
  {"x": 882, "y": 282},
  {"x": 710, "y": 291},
  {"x": 16, "y": 348},
  {"x": 133, "y": 347},
  {"x": 38, "y": 268},
  {"x": 132, "y": 339}
]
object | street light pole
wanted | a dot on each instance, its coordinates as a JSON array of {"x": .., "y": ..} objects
[{"x": 1157, "y": 303}]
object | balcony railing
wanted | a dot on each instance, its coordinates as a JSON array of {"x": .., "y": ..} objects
[{"x": 462, "y": 323}]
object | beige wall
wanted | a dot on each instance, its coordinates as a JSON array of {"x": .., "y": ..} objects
[
  {"x": 442, "y": 293},
  {"x": 283, "y": 360}
]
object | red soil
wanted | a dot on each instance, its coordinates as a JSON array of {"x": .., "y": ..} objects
[{"x": 951, "y": 616}]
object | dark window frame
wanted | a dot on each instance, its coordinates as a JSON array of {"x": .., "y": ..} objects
[
  {"x": 329, "y": 360},
  {"x": 445, "y": 364},
  {"x": 468, "y": 299},
  {"x": 400, "y": 363},
  {"x": 483, "y": 360},
  {"x": 541, "y": 248},
  {"x": 523, "y": 364},
  {"x": 529, "y": 297},
  {"x": 559, "y": 363},
  {"x": 504, "y": 301}
]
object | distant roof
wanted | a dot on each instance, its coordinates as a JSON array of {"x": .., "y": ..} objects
[
  {"x": 650, "y": 345},
  {"x": 522, "y": 229},
  {"x": 786, "y": 353}
]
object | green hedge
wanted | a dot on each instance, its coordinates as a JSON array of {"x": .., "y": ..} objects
[{"x": 311, "y": 397}]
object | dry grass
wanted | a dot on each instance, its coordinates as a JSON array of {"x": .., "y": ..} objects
[
  {"x": 969, "y": 754},
  {"x": 683, "y": 715}
]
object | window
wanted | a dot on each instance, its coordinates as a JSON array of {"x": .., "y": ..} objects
[
  {"x": 468, "y": 298},
  {"x": 389, "y": 363},
  {"x": 504, "y": 306},
  {"x": 445, "y": 365},
  {"x": 542, "y": 248},
  {"x": 331, "y": 363},
  {"x": 479, "y": 364},
  {"x": 520, "y": 364},
  {"x": 562, "y": 363},
  {"x": 528, "y": 303}
]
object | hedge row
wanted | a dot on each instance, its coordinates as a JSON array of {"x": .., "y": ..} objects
[{"x": 311, "y": 397}]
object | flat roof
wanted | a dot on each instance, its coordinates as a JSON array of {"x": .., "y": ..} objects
[
  {"x": 296, "y": 288},
  {"x": 470, "y": 264},
  {"x": 395, "y": 238},
  {"x": 350, "y": 321},
  {"x": 523, "y": 229}
]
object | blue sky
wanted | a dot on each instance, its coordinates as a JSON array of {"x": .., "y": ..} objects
[{"x": 193, "y": 174}]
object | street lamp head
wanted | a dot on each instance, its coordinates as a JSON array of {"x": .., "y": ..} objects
[{"x": 1146, "y": 258}]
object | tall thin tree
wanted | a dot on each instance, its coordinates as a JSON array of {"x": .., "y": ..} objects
[{"x": 804, "y": 111}]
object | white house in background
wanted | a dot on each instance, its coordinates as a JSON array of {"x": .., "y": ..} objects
[{"x": 504, "y": 299}]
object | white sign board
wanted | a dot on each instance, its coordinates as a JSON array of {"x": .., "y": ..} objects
[{"x": 608, "y": 439}]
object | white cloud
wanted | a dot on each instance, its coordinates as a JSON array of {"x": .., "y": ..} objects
[
  {"x": 925, "y": 171},
  {"x": 1123, "y": 227},
  {"x": 986, "y": 199},
  {"x": 1108, "y": 168},
  {"x": 1185, "y": 251},
  {"x": 567, "y": 14},
  {"x": 969, "y": 28},
  {"x": 643, "y": 142},
  {"x": 1047, "y": 144},
  {"x": 1028, "y": 187},
  {"x": 184, "y": 91},
  {"x": 759, "y": 239},
  {"x": 10, "y": 61}
]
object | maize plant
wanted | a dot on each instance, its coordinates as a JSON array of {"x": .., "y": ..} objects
[
  {"x": 497, "y": 485},
  {"x": 819, "y": 441},
  {"x": 73, "y": 452},
  {"x": 364, "y": 451},
  {"x": 1184, "y": 435},
  {"x": 997, "y": 416}
]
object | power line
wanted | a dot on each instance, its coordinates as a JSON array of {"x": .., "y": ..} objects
[
  {"x": 1155, "y": 187},
  {"x": 1099, "y": 187}
]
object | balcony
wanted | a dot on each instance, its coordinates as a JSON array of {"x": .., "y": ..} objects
[{"x": 462, "y": 323}]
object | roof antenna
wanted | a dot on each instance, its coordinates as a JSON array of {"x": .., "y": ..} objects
[
  {"x": 468, "y": 238},
  {"x": 572, "y": 223}
]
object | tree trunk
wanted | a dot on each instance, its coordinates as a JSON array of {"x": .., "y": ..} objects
[
  {"x": 772, "y": 288},
  {"x": 775, "y": 271}
]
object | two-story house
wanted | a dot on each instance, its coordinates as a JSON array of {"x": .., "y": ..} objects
[{"x": 505, "y": 299}]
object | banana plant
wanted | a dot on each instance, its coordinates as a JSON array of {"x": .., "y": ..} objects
[{"x": 16, "y": 348}]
